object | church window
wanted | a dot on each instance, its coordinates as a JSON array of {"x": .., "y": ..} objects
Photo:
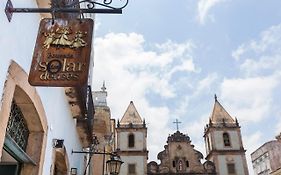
[
  {"x": 174, "y": 163},
  {"x": 180, "y": 165},
  {"x": 132, "y": 168},
  {"x": 226, "y": 139},
  {"x": 231, "y": 168},
  {"x": 208, "y": 144},
  {"x": 17, "y": 128},
  {"x": 187, "y": 163},
  {"x": 131, "y": 140}
]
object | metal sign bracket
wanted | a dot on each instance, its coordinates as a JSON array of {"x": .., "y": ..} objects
[{"x": 71, "y": 8}]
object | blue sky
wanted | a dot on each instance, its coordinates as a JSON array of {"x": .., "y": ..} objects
[{"x": 171, "y": 57}]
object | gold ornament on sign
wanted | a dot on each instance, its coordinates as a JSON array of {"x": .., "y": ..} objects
[
  {"x": 61, "y": 38},
  {"x": 78, "y": 41}
]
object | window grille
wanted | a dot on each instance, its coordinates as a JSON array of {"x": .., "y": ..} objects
[{"x": 17, "y": 128}]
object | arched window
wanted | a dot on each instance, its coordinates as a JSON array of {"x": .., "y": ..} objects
[
  {"x": 24, "y": 124},
  {"x": 17, "y": 128},
  {"x": 180, "y": 166},
  {"x": 226, "y": 139},
  {"x": 208, "y": 144},
  {"x": 187, "y": 163},
  {"x": 131, "y": 140}
]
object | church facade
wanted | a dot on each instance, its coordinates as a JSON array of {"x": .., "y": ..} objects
[
  {"x": 225, "y": 154},
  {"x": 180, "y": 157}
]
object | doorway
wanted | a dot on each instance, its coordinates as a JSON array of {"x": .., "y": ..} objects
[{"x": 9, "y": 165}]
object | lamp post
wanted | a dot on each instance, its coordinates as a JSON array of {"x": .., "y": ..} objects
[{"x": 114, "y": 164}]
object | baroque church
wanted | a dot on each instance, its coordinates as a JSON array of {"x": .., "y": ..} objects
[
  {"x": 180, "y": 157},
  {"x": 225, "y": 154}
]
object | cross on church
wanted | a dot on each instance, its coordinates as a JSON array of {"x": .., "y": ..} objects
[
  {"x": 103, "y": 88},
  {"x": 177, "y": 123}
]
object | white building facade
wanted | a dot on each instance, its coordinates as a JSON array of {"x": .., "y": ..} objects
[
  {"x": 267, "y": 158},
  {"x": 43, "y": 114}
]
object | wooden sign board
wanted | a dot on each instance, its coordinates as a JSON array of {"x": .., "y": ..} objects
[{"x": 62, "y": 53}]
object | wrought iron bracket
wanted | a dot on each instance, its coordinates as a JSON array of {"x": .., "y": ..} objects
[
  {"x": 93, "y": 152},
  {"x": 91, "y": 8}
]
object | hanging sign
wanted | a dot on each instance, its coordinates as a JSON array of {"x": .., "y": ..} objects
[{"x": 62, "y": 53}]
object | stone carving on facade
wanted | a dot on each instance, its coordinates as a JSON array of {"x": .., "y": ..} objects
[{"x": 180, "y": 157}]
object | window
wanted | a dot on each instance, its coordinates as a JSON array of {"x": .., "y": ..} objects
[
  {"x": 208, "y": 144},
  {"x": 132, "y": 168},
  {"x": 17, "y": 128},
  {"x": 131, "y": 140},
  {"x": 180, "y": 166},
  {"x": 174, "y": 163},
  {"x": 231, "y": 168},
  {"x": 226, "y": 139},
  {"x": 187, "y": 163}
]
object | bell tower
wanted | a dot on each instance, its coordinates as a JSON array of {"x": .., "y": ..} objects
[
  {"x": 223, "y": 143},
  {"x": 131, "y": 142}
]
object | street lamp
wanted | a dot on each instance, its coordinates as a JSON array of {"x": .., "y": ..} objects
[{"x": 114, "y": 164}]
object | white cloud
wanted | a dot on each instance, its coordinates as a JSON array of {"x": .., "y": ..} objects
[
  {"x": 278, "y": 125},
  {"x": 204, "y": 7},
  {"x": 200, "y": 87},
  {"x": 132, "y": 73},
  {"x": 251, "y": 143},
  {"x": 250, "y": 98},
  {"x": 97, "y": 25},
  {"x": 205, "y": 84},
  {"x": 261, "y": 55},
  {"x": 238, "y": 52},
  {"x": 251, "y": 94}
]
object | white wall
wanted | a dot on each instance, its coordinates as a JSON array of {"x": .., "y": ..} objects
[
  {"x": 234, "y": 140},
  {"x": 17, "y": 40},
  {"x": 208, "y": 141},
  {"x": 262, "y": 163},
  {"x": 223, "y": 160},
  {"x": 137, "y": 160},
  {"x": 139, "y": 140}
]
